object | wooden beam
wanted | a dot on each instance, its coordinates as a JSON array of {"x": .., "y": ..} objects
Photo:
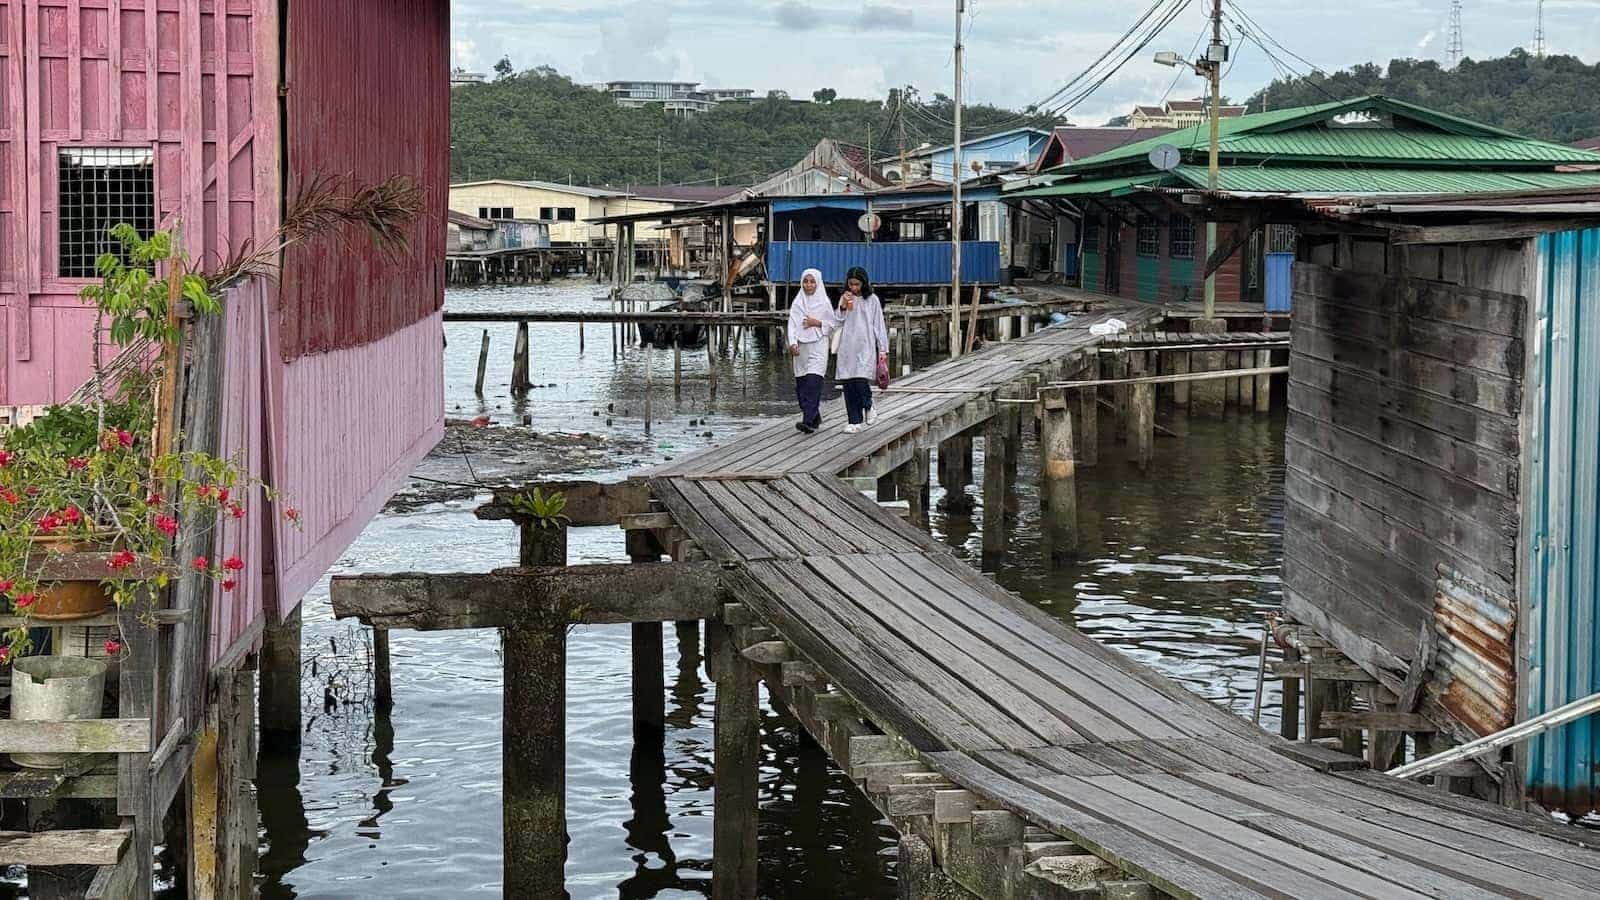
[
  {"x": 75, "y": 736},
  {"x": 1379, "y": 720},
  {"x": 1251, "y": 224},
  {"x": 1489, "y": 231},
  {"x": 588, "y": 502},
  {"x": 595, "y": 594},
  {"x": 72, "y": 847}
]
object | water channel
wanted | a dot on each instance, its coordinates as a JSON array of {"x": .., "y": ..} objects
[{"x": 1177, "y": 569}]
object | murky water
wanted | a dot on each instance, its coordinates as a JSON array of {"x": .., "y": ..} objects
[{"x": 1178, "y": 567}]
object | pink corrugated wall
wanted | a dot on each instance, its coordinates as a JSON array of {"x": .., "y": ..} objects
[{"x": 178, "y": 76}]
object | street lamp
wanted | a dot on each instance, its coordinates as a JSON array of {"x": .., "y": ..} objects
[{"x": 1209, "y": 68}]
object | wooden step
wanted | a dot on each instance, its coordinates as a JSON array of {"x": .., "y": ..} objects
[{"x": 71, "y": 847}]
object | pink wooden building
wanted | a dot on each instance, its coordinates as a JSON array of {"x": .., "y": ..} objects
[{"x": 203, "y": 116}]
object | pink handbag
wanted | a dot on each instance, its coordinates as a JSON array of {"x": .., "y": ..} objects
[{"x": 883, "y": 374}]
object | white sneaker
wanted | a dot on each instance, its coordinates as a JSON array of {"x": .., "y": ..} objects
[
  {"x": 872, "y": 416},
  {"x": 851, "y": 429}
]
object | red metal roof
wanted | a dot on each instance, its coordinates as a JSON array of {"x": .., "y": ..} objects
[
  {"x": 1592, "y": 143},
  {"x": 1069, "y": 143}
]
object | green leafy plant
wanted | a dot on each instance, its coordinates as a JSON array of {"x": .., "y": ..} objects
[{"x": 544, "y": 510}]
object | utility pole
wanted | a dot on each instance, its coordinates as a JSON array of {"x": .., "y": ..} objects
[
  {"x": 955, "y": 201},
  {"x": 1216, "y": 54},
  {"x": 869, "y": 149},
  {"x": 658, "y": 159}
]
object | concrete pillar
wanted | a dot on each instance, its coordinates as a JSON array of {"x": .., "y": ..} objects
[
  {"x": 737, "y": 758},
  {"x": 1207, "y": 397},
  {"x": 1141, "y": 413},
  {"x": 954, "y": 454},
  {"x": 1180, "y": 389},
  {"x": 1058, "y": 491},
  {"x": 911, "y": 483}
]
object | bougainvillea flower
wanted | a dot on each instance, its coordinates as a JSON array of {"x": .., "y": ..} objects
[
  {"x": 201, "y": 564},
  {"x": 237, "y": 510},
  {"x": 292, "y": 514},
  {"x": 77, "y": 463},
  {"x": 113, "y": 648},
  {"x": 23, "y": 601},
  {"x": 121, "y": 559},
  {"x": 5, "y": 458},
  {"x": 6, "y": 585},
  {"x": 167, "y": 525},
  {"x": 48, "y": 523},
  {"x": 233, "y": 564},
  {"x": 229, "y": 584},
  {"x": 71, "y": 515},
  {"x": 222, "y": 495},
  {"x": 124, "y": 438}
]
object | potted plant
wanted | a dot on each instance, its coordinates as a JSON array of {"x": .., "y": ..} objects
[{"x": 89, "y": 506}]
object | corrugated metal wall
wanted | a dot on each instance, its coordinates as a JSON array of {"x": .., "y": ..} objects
[
  {"x": 887, "y": 262},
  {"x": 1562, "y": 537},
  {"x": 369, "y": 97}
]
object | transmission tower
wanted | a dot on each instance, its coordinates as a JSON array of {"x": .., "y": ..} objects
[
  {"x": 1453, "y": 47},
  {"x": 1538, "y": 32}
]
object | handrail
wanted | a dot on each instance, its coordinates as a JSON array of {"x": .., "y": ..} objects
[{"x": 1521, "y": 731}]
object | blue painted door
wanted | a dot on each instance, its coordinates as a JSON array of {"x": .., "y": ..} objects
[{"x": 1278, "y": 281}]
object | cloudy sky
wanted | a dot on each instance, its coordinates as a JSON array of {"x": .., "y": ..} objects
[{"x": 1018, "y": 51}]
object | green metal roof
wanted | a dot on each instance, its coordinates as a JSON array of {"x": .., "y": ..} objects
[
  {"x": 1301, "y": 135},
  {"x": 1378, "y": 180},
  {"x": 1108, "y": 187}
]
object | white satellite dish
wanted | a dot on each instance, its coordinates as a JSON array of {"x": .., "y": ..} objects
[
  {"x": 869, "y": 222},
  {"x": 1166, "y": 157}
]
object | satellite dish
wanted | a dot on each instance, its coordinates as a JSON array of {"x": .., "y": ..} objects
[
  {"x": 1166, "y": 157},
  {"x": 869, "y": 223}
]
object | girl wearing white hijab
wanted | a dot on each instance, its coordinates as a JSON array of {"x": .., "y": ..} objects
[{"x": 811, "y": 318}]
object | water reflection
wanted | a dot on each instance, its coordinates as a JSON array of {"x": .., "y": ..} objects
[{"x": 1174, "y": 568}]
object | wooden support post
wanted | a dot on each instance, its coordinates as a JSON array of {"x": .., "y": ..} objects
[
  {"x": 736, "y": 760},
  {"x": 483, "y": 363},
  {"x": 1263, "y": 395},
  {"x": 1141, "y": 413},
  {"x": 280, "y": 682},
  {"x": 580, "y": 338},
  {"x": 886, "y": 489},
  {"x": 677, "y": 367},
  {"x": 533, "y": 736},
  {"x": 649, "y": 679},
  {"x": 382, "y": 683},
  {"x": 1230, "y": 386},
  {"x": 1058, "y": 491},
  {"x": 1086, "y": 440},
  {"x": 996, "y": 436},
  {"x": 237, "y": 820},
  {"x": 953, "y": 455},
  {"x": 1180, "y": 366},
  {"x": 1289, "y": 724},
  {"x": 519, "y": 362},
  {"x": 1208, "y": 396},
  {"x": 1118, "y": 364},
  {"x": 711, "y": 369},
  {"x": 911, "y": 483},
  {"x": 649, "y": 386}
]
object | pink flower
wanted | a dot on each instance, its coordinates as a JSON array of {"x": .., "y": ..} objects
[
  {"x": 71, "y": 516},
  {"x": 222, "y": 495},
  {"x": 5, "y": 654},
  {"x": 9, "y": 496},
  {"x": 121, "y": 559},
  {"x": 154, "y": 499},
  {"x": 124, "y": 438},
  {"x": 233, "y": 564},
  {"x": 203, "y": 491},
  {"x": 5, "y": 458},
  {"x": 292, "y": 514},
  {"x": 113, "y": 648},
  {"x": 6, "y": 585},
  {"x": 23, "y": 601},
  {"x": 229, "y": 584},
  {"x": 77, "y": 463},
  {"x": 48, "y": 523},
  {"x": 201, "y": 564},
  {"x": 167, "y": 525},
  {"x": 237, "y": 510}
]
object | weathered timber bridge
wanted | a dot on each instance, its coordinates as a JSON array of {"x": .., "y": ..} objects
[{"x": 1016, "y": 757}]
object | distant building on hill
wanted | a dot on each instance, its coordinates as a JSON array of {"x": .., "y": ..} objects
[
  {"x": 460, "y": 76},
  {"x": 1176, "y": 114},
  {"x": 682, "y": 98}
]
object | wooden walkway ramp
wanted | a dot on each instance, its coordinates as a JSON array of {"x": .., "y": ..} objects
[{"x": 955, "y": 698}]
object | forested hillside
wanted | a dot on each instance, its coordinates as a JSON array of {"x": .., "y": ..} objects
[
  {"x": 539, "y": 124},
  {"x": 1556, "y": 98}
]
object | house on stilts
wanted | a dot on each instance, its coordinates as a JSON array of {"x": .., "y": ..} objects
[{"x": 209, "y": 119}]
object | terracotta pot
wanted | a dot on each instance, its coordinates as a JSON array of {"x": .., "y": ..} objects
[{"x": 66, "y": 601}]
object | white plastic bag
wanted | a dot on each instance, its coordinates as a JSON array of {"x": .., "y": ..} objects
[{"x": 1108, "y": 327}]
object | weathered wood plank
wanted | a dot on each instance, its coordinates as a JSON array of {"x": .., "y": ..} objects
[
  {"x": 636, "y": 592},
  {"x": 75, "y": 736},
  {"x": 76, "y": 847}
]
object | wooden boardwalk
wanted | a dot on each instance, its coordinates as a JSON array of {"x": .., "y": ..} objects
[{"x": 1010, "y": 709}]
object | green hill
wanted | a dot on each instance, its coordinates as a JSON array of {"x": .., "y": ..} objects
[
  {"x": 1556, "y": 98},
  {"x": 539, "y": 124}
]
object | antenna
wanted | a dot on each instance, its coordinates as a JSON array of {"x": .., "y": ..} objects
[
  {"x": 1453, "y": 48},
  {"x": 1538, "y": 32}
]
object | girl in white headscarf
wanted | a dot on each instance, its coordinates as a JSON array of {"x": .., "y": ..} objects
[{"x": 811, "y": 318}]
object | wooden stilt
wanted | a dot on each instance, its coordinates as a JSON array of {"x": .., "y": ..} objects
[
  {"x": 737, "y": 758},
  {"x": 483, "y": 363},
  {"x": 996, "y": 435},
  {"x": 382, "y": 688},
  {"x": 237, "y": 819},
  {"x": 649, "y": 387},
  {"x": 886, "y": 489},
  {"x": 711, "y": 370},
  {"x": 1207, "y": 397},
  {"x": 911, "y": 483},
  {"x": 952, "y": 473},
  {"x": 1141, "y": 412},
  {"x": 1086, "y": 423},
  {"x": 280, "y": 682},
  {"x": 677, "y": 367},
  {"x": 519, "y": 362},
  {"x": 1180, "y": 389},
  {"x": 1058, "y": 494},
  {"x": 1263, "y": 396},
  {"x": 1289, "y": 724},
  {"x": 1118, "y": 364},
  {"x": 649, "y": 685},
  {"x": 580, "y": 338}
]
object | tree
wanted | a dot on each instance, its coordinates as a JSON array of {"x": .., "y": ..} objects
[
  {"x": 777, "y": 95},
  {"x": 825, "y": 95},
  {"x": 503, "y": 69}
]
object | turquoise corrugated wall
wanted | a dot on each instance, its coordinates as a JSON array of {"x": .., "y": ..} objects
[{"x": 1563, "y": 519}]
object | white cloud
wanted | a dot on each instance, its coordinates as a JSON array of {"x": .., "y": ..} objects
[{"x": 1427, "y": 39}]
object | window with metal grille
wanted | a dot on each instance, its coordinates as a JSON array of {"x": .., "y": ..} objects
[
  {"x": 97, "y": 188},
  {"x": 1091, "y": 235},
  {"x": 1180, "y": 237},
  {"x": 496, "y": 213},
  {"x": 558, "y": 213},
  {"x": 1148, "y": 238}
]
